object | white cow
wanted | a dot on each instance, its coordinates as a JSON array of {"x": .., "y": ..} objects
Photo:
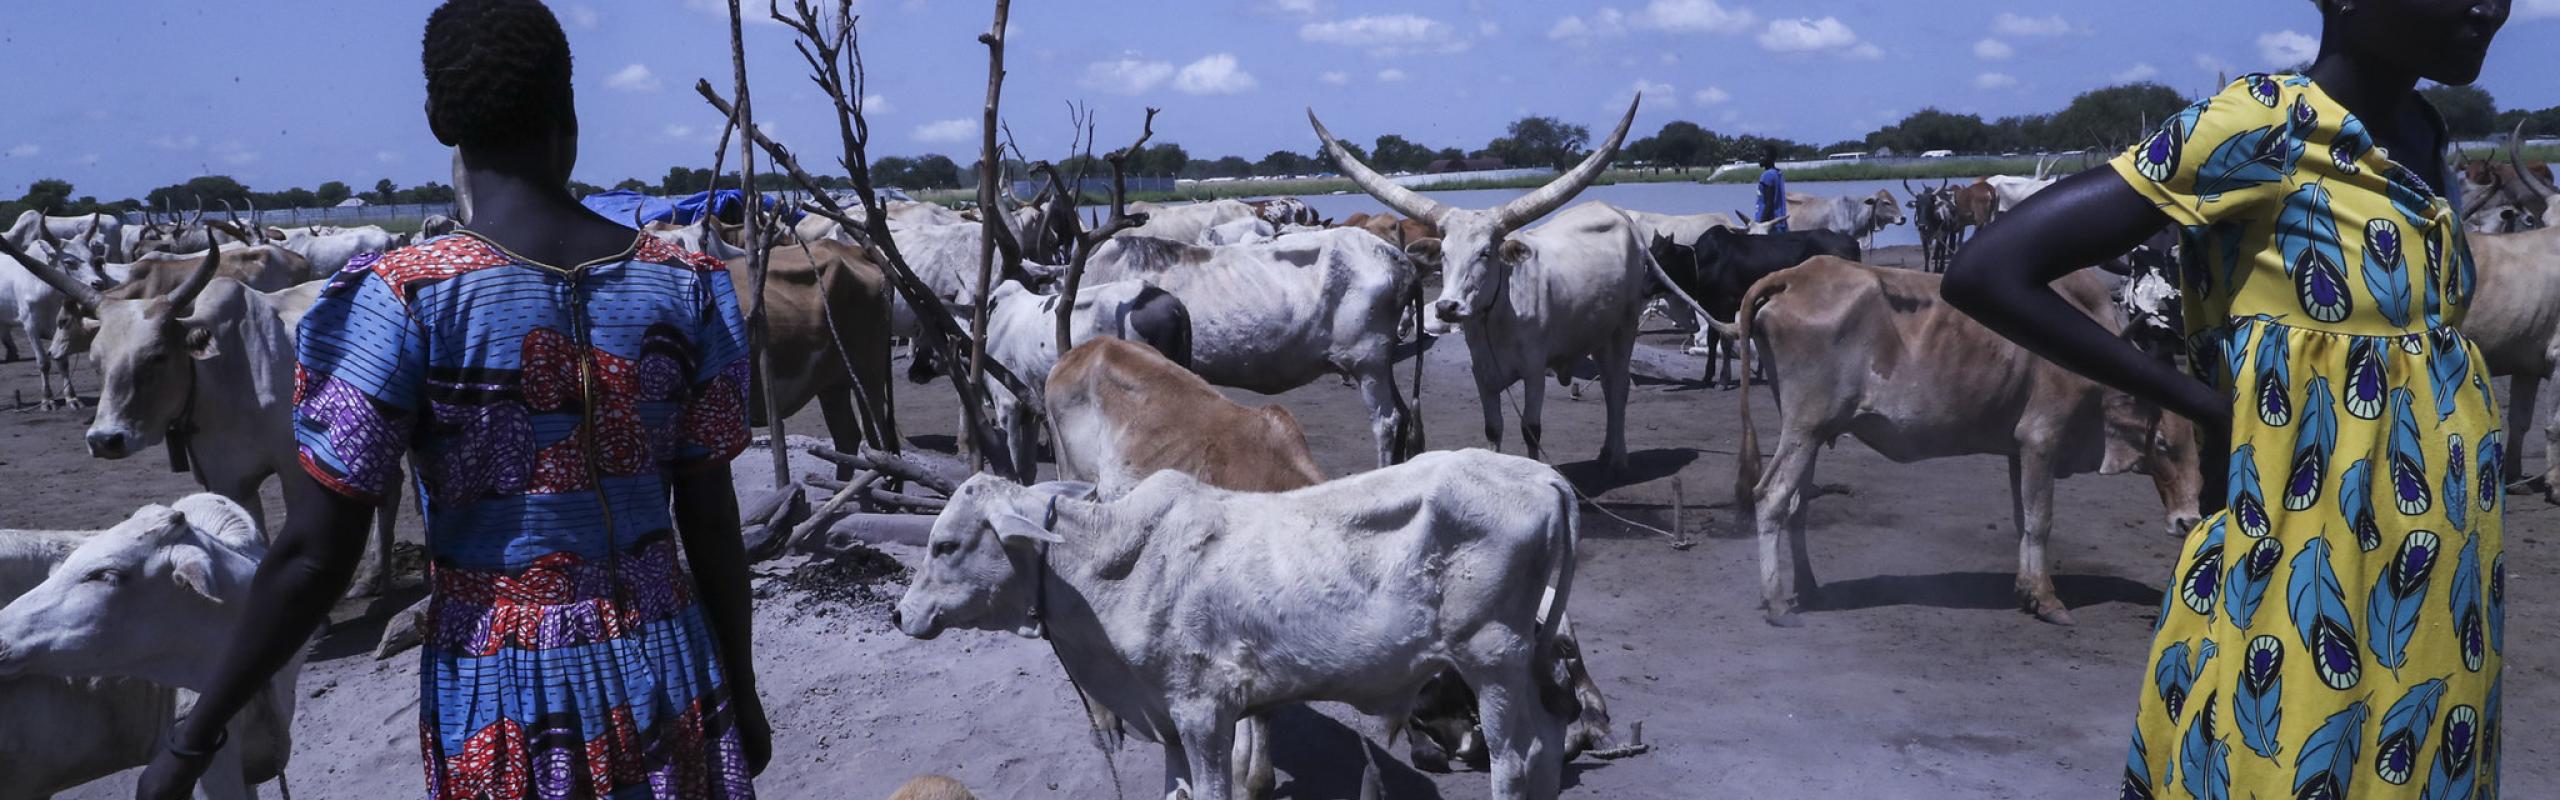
[
  {"x": 104, "y": 232},
  {"x": 148, "y": 600},
  {"x": 1536, "y": 301},
  {"x": 1022, "y": 335},
  {"x": 700, "y": 237},
  {"x": 1275, "y": 316},
  {"x": 157, "y": 357},
  {"x": 63, "y": 732},
  {"x": 1189, "y": 223},
  {"x": 1250, "y": 230},
  {"x": 31, "y": 304},
  {"x": 1859, "y": 217},
  {"x": 329, "y": 249},
  {"x": 1182, "y": 607},
  {"x": 2014, "y": 190},
  {"x": 2515, "y": 319}
]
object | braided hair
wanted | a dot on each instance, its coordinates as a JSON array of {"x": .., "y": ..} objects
[{"x": 497, "y": 73}]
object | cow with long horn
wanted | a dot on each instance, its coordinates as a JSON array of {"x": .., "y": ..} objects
[
  {"x": 1532, "y": 301},
  {"x": 33, "y": 290},
  {"x": 2515, "y": 319}
]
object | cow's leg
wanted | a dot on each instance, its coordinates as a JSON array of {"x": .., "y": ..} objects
[
  {"x": 10, "y": 345},
  {"x": 1208, "y": 742},
  {"x": 226, "y": 778},
  {"x": 1489, "y": 397},
  {"x": 375, "y": 566},
  {"x": 1252, "y": 759},
  {"x": 2524, "y": 392},
  {"x": 1778, "y": 504},
  {"x": 1590, "y": 728},
  {"x": 1526, "y": 743},
  {"x": 1386, "y": 409},
  {"x": 1617, "y": 378},
  {"x": 2031, "y": 493},
  {"x": 1533, "y": 404},
  {"x": 843, "y": 427}
]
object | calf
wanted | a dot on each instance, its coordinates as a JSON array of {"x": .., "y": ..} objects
[
  {"x": 63, "y": 732},
  {"x": 148, "y": 600},
  {"x": 1182, "y": 607},
  {"x": 1724, "y": 264},
  {"x": 1873, "y": 353}
]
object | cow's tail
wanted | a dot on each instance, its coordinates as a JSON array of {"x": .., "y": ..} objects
[
  {"x": 1746, "y": 468},
  {"x": 1565, "y": 553}
]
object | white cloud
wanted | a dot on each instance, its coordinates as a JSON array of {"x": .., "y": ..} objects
[
  {"x": 582, "y": 17},
  {"x": 89, "y": 159},
  {"x": 1993, "y": 50},
  {"x": 1709, "y": 96},
  {"x": 2287, "y": 48},
  {"x": 2136, "y": 73},
  {"x": 949, "y": 130},
  {"x": 1815, "y": 35},
  {"x": 876, "y": 104},
  {"x": 2009, "y": 24},
  {"x": 1125, "y": 76},
  {"x": 1392, "y": 75},
  {"x": 2534, "y": 9},
  {"x": 1662, "y": 95},
  {"x": 1696, "y": 16},
  {"x": 1488, "y": 29},
  {"x": 1335, "y": 78},
  {"x": 174, "y": 142},
  {"x": 1303, "y": 8},
  {"x": 1387, "y": 34},
  {"x": 1669, "y": 59},
  {"x": 1994, "y": 80},
  {"x": 233, "y": 153},
  {"x": 1214, "y": 74},
  {"x": 634, "y": 78},
  {"x": 388, "y": 157},
  {"x": 1602, "y": 24},
  {"x": 2212, "y": 63},
  {"x": 747, "y": 10},
  {"x": 25, "y": 151},
  {"x": 674, "y": 132}
]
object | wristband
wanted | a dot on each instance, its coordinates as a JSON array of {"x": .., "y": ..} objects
[{"x": 220, "y": 738}]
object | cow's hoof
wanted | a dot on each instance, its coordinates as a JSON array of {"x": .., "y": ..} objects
[
  {"x": 1785, "y": 619},
  {"x": 1427, "y": 755},
  {"x": 2053, "y": 612}
]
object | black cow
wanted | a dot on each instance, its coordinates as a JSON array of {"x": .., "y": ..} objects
[{"x": 1722, "y": 264}]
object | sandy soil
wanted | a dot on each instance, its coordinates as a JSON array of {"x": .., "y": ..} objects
[{"x": 1915, "y": 678}]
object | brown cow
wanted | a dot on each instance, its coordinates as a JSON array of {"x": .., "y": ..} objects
[
  {"x": 1975, "y": 206},
  {"x": 1121, "y": 412},
  {"x": 263, "y": 268},
  {"x": 1873, "y": 353},
  {"x": 830, "y": 335}
]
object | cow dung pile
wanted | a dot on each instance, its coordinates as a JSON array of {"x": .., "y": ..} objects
[{"x": 859, "y": 578}]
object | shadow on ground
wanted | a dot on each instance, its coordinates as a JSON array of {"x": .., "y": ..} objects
[{"x": 1974, "y": 590}]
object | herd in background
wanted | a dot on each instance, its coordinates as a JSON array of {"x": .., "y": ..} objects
[{"x": 1167, "y": 484}]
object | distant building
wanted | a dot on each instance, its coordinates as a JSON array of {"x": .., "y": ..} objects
[
  {"x": 1465, "y": 165},
  {"x": 352, "y": 202}
]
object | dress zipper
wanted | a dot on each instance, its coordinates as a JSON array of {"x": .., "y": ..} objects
[{"x": 587, "y": 426}]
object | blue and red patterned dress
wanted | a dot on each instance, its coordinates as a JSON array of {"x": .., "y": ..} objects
[{"x": 545, "y": 409}]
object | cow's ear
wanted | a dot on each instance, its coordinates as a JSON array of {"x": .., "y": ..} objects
[
  {"x": 1423, "y": 251},
  {"x": 275, "y": 233},
  {"x": 200, "y": 343},
  {"x": 1514, "y": 251},
  {"x": 1018, "y": 529},
  {"x": 193, "y": 569}
]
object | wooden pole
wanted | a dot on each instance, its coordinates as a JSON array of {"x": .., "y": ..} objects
[
  {"x": 759, "y": 336},
  {"x": 990, "y": 214}
]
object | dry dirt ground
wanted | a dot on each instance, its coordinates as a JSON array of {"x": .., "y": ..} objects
[{"x": 1916, "y": 677}]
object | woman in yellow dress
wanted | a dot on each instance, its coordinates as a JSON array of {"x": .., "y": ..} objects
[{"x": 2334, "y": 631}]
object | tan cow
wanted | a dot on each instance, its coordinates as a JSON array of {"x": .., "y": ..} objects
[
  {"x": 2515, "y": 319},
  {"x": 830, "y": 334},
  {"x": 1396, "y": 230},
  {"x": 260, "y": 268},
  {"x": 1873, "y": 353}
]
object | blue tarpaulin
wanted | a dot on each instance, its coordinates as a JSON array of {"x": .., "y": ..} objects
[
  {"x": 620, "y": 205},
  {"x": 625, "y": 206}
]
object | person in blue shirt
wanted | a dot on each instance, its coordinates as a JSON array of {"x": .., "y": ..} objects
[{"x": 1772, "y": 204}]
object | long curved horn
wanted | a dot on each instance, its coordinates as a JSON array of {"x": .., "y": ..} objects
[
  {"x": 1556, "y": 193},
  {"x": 83, "y": 298},
  {"x": 184, "y": 298},
  {"x": 2515, "y": 155},
  {"x": 1405, "y": 201}
]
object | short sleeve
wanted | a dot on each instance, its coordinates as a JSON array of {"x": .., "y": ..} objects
[
  {"x": 358, "y": 385},
  {"x": 712, "y": 428},
  {"x": 2218, "y": 158}
]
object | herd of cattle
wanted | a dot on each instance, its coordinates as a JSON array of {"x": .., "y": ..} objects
[{"x": 1186, "y": 524}]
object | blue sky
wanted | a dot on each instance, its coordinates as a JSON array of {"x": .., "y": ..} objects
[{"x": 282, "y": 93}]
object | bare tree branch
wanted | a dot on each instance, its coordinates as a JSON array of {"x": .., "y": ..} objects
[{"x": 1120, "y": 221}]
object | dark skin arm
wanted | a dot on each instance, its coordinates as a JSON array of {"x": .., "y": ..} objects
[
  {"x": 307, "y": 568},
  {"x": 706, "y": 511},
  {"x": 2002, "y": 278}
]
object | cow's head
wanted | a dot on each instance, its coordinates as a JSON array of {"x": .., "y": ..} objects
[
  {"x": 1474, "y": 250},
  {"x": 145, "y": 599},
  {"x": 1888, "y": 210},
  {"x": 983, "y": 560},
  {"x": 146, "y": 351},
  {"x": 2142, "y": 438}
]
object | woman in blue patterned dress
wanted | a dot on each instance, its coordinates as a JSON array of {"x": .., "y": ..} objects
[
  {"x": 571, "y": 392},
  {"x": 2337, "y": 630}
]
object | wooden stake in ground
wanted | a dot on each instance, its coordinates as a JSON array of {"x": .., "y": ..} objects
[
  {"x": 990, "y": 213},
  {"x": 759, "y": 337}
]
